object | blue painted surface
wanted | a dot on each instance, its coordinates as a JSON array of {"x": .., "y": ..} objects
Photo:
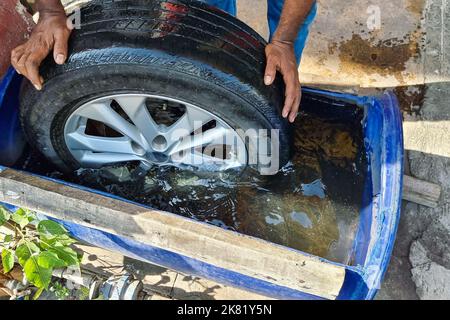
[
  {"x": 386, "y": 205},
  {"x": 11, "y": 139},
  {"x": 379, "y": 214},
  {"x": 184, "y": 264},
  {"x": 354, "y": 287}
]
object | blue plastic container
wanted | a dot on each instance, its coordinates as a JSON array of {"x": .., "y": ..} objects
[
  {"x": 379, "y": 216},
  {"x": 12, "y": 142}
]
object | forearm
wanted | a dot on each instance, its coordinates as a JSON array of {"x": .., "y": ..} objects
[
  {"x": 49, "y": 6},
  {"x": 293, "y": 14}
]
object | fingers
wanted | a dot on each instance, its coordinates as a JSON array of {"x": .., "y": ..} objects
[
  {"x": 271, "y": 71},
  {"x": 50, "y": 34},
  {"x": 295, "y": 107},
  {"x": 16, "y": 54},
  {"x": 293, "y": 94},
  {"x": 282, "y": 58},
  {"x": 26, "y": 61},
  {"x": 60, "y": 49},
  {"x": 32, "y": 70},
  {"x": 21, "y": 64}
]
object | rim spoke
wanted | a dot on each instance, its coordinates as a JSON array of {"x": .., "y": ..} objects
[
  {"x": 102, "y": 112},
  {"x": 191, "y": 121},
  {"x": 198, "y": 118},
  {"x": 81, "y": 141},
  {"x": 178, "y": 130},
  {"x": 97, "y": 160},
  {"x": 136, "y": 109},
  {"x": 207, "y": 137},
  {"x": 199, "y": 160}
]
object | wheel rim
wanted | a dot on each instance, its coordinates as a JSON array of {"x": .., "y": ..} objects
[{"x": 154, "y": 130}]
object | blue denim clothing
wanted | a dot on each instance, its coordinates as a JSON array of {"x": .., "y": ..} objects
[{"x": 273, "y": 16}]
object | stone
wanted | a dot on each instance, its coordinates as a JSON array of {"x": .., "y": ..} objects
[{"x": 432, "y": 280}]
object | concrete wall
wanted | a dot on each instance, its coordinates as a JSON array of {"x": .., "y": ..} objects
[{"x": 409, "y": 44}]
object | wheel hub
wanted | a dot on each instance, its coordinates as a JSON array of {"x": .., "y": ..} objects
[{"x": 159, "y": 143}]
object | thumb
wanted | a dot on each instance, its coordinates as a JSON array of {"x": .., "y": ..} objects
[
  {"x": 61, "y": 47},
  {"x": 270, "y": 73}
]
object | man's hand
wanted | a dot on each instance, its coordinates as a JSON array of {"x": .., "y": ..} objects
[
  {"x": 281, "y": 57},
  {"x": 281, "y": 54},
  {"x": 51, "y": 33}
]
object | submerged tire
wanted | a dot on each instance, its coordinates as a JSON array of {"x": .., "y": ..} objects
[{"x": 184, "y": 51}]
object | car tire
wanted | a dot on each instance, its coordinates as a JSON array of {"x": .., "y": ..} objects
[{"x": 182, "y": 50}]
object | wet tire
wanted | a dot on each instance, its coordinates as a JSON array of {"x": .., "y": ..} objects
[{"x": 184, "y": 50}]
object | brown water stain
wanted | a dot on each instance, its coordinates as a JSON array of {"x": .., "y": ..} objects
[
  {"x": 411, "y": 98},
  {"x": 415, "y": 6},
  {"x": 388, "y": 57}
]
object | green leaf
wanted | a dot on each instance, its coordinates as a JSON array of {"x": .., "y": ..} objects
[
  {"x": 31, "y": 216},
  {"x": 8, "y": 238},
  {"x": 23, "y": 254},
  {"x": 47, "y": 242},
  {"x": 61, "y": 292},
  {"x": 65, "y": 253},
  {"x": 21, "y": 212},
  {"x": 25, "y": 250},
  {"x": 65, "y": 240},
  {"x": 50, "y": 260},
  {"x": 5, "y": 215},
  {"x": 36, "y": 274},
  {"x": 20, "y": 218},
  {"x": 48, "y": 227},
  {"x": 7, "y": 260},
  {"x": 38, "y": 293}
]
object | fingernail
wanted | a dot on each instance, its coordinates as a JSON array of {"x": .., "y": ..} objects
[
  {"x": 267, "y": 80},
  {"x": 60, "y": 59},
  {"x": 18, "y": 71},
  {"x": 38, "y": 87},
  {"x": 285, "y": 114}
]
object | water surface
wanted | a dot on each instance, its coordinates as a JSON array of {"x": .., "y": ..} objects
[{"x": 311, "y": 205}]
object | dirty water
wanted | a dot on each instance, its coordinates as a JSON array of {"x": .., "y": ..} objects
[{"x": 312, "y": 204}]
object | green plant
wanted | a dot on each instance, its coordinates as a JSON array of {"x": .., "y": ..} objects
[
  {"x": 38, "y": 246},
  {"x": 83, "y": 293},
  {"x": 61, "y": 292}
]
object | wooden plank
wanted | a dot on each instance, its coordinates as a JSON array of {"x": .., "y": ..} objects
[
  {"x": 209, "y": 244},
  {"x": 421, "y": 192}
]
